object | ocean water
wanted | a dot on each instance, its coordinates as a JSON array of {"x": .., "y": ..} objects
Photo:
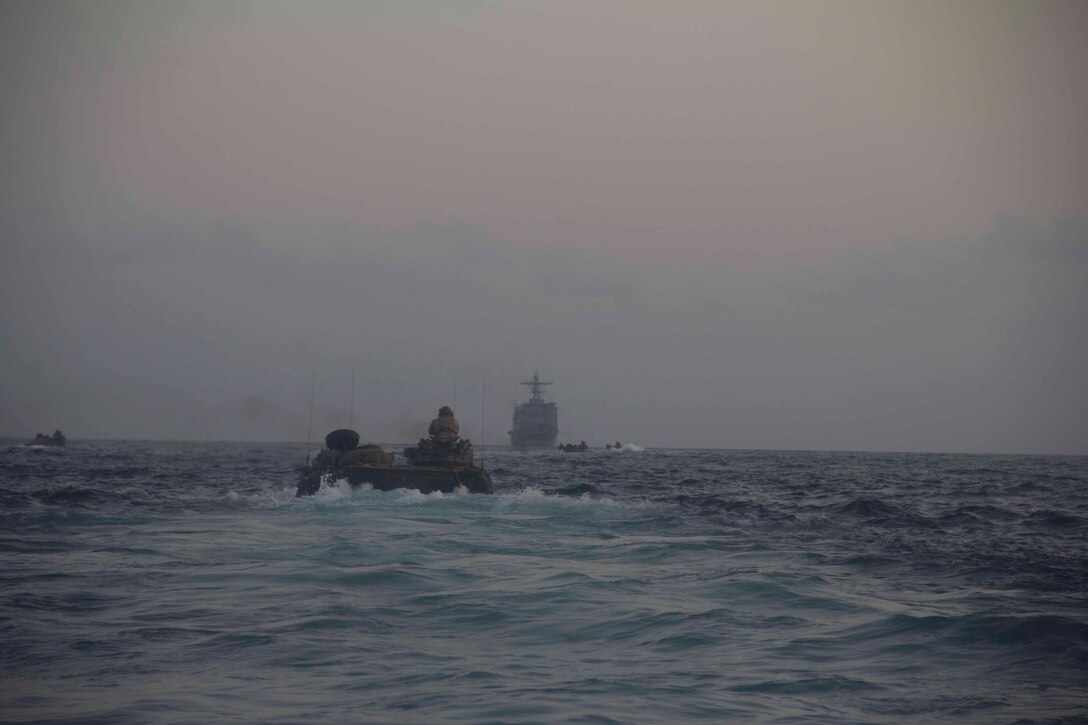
[{"x": 147, "y": 582}]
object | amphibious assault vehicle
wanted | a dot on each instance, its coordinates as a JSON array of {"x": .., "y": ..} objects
[{"x": 431, "y": 466}]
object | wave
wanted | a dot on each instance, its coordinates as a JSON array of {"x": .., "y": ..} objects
[
  {"x": 580, "y": 489},
  {"x": 809, "y": 685},
  {"x": 71, "y": 496},
  {"x": 866, "y": 507},
  {"x": 1043, "y": 634},
  {"x": 1054, "y": 519}
]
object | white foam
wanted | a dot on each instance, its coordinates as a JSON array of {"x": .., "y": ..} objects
[
  {"x": 333, "y": 490},
  {"x": 535, "y": 496}
]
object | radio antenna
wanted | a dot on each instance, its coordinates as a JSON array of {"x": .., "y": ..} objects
[
  {"x": 310, "y": 425},
  {"x": 351, "y": 416}
]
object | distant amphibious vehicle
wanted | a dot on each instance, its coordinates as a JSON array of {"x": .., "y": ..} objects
[
  {"x": 443, "y": 462},
  {"x": 57, "y": 439}
]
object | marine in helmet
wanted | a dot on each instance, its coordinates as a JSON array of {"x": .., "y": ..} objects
[
  {"x": 445, "y": 446},
  {"x": 445, "y": 428}
]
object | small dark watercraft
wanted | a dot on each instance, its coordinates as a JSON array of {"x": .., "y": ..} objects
[
  {"x": 57, "y": 439},
  {"x": 433, "y": 465}
]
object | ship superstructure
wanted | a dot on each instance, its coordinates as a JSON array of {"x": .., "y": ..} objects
[{"x": 536, "y": 422}]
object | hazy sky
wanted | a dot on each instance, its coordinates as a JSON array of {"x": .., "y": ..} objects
[{"x": 834, "y": 225}]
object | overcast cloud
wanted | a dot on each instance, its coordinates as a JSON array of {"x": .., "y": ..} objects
[{"x": 830, "y": 225}]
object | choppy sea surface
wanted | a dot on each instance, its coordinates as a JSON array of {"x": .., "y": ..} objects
[{"x": 149, "y": 582}]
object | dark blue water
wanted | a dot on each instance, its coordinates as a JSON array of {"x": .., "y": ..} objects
[{"x": 183, "y": 583}]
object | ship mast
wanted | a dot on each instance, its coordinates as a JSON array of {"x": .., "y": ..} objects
[{"x": 536, "y": 386}]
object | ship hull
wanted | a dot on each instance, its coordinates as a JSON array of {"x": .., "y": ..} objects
[
  {"x": 536, "y": 425},
  {"x": 529, "y": 441}
]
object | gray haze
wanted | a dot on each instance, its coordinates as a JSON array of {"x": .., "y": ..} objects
[{"x": 827, "y": 225}]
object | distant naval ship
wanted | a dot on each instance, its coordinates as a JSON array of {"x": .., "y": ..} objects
[{"x": 536, "y": 423}]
